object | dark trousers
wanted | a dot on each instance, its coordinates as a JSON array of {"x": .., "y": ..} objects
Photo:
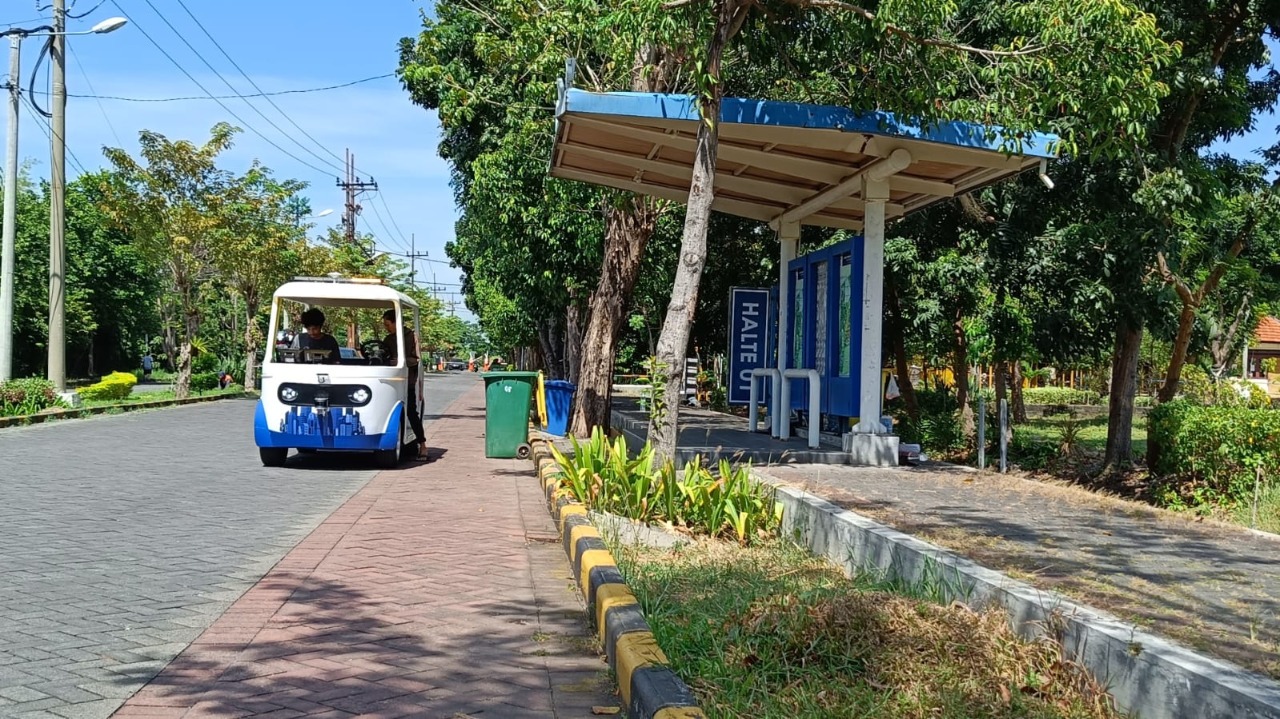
[{"x": 415, "y": 419}]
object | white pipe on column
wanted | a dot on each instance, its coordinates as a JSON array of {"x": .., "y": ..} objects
[
  {"x": 788, "y": 244},
  {"x": 875, "y": 194},
  {"x": 815, "y": 394},
  {"x": 754, "y": 402}
]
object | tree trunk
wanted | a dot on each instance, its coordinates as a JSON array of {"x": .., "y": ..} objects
[
  {"x": 250, "y": 352},
  {"x": 627, "y": 232},
  {"x": 960, "y": 370},
  {"x": 895, "y": 329},
  {"x": 573, "y": 341},
  {"x": 1173, "y": 376},
  {"x": 551, "y": 339},
  {"x": 1018, "y": 406},
  {"x": 674, "y": 340},
  {"x": 182, "y": 383},
  {"x": 1222, "y": 346},
  {"x": 1191, "y": 301},
  {"x": 1124, "y": 385}
]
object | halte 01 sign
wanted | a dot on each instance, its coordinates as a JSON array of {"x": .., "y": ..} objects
[{"x": 748, "y": 322}]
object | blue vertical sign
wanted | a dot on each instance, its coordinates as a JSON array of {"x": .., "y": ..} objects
[{"x": 748, "y": 323}]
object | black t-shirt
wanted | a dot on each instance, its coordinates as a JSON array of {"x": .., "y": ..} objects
[{"x": 326, "y": 342}]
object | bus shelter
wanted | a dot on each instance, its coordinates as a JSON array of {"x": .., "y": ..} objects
[{"x": 793, "y": 164}]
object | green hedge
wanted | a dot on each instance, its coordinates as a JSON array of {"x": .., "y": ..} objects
[
  {"x": 21, "y": 397},
  {"x": 116, "y": 385},
  {"x": 1047, "y": 395},
  {"x": 1202, "y": 456},
  {"x": 204, "y": 381}
]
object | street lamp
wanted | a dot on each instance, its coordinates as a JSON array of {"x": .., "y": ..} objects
[
  {"x": 297, "y": 220},
  {"x": 56, "y": 238}
]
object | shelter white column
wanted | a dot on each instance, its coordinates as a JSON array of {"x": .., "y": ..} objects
[
  {"x": 788, "y": 245},
  {"x": 875, "y": 193}
]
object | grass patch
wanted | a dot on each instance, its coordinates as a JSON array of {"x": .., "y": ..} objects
[
  {"x": 770, "y": 631},
  {"x": 1091, "y": 435},
  {"x": 1268, "y": 511},
  {"x": 162, "y": 395}
]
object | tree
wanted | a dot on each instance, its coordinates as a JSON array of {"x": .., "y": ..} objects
[
  {"x": 491, "y": 74},
  {"x": 118, "y": 317},
  {"x": 174, "y": 201},
  {"x": 913, "y": 60},
  {"x": 1213, "y": 96},
  {"x": 1212, "y": 219},
  {"x": 260, "y": 248}
]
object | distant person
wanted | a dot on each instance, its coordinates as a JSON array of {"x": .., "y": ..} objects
[
  {"x": 315, "y": 338},
  {"x": 148, "y": 364},
  {"x": 411, "y": 360},
  {"x": 225, "y": 380}
]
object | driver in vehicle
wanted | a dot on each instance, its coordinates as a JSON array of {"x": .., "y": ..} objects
[
  {"x": 411, "y": 360},
  {"x": 315, "y": 338}
]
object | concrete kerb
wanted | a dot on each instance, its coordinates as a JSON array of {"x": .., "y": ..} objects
[
  {"x": 649, "y": 689},
  {"x": 1150, "y": 677},
  {"x": 80, "y": 412}
]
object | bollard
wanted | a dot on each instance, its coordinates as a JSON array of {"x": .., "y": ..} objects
[
  {"x": 982, "y": 432},
  {"x": 1004, "y": 436}
]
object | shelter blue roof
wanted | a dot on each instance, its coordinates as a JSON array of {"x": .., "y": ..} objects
[
  {"x": 801, "y": 115},
  {"x": 781, "y": 161}
]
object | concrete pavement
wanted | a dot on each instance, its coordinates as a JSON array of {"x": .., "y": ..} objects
[{"x": 131, "y": 539}]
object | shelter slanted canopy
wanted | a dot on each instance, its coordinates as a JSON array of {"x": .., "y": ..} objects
[{"x": 781, "y": 161}]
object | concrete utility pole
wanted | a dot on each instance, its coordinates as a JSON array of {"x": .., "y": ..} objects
[
  {"x": 57, "y": 202},
  {"x": 10, "y": 214},
  {"x": 353, "y": 186},
  {"x": 7, "y": 260}
]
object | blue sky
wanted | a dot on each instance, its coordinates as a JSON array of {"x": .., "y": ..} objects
[{"x": 282, "y": 46}]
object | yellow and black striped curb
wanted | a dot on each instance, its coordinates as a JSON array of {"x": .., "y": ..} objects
[
  {"x": 84, "y": 412},
  {"x": 650, "y": 690}
]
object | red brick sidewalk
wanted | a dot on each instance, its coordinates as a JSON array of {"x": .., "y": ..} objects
[{"x": 438, "y": 590}]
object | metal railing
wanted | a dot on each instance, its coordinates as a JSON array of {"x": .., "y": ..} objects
[
  {"x": 815, "y": 393},
  {"x": 754, "y": 401}
]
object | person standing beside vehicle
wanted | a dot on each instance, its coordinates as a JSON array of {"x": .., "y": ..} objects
[{"x": 411, "y": 361}]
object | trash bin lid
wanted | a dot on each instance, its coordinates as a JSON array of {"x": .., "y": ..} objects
[
  {"x": 509, "y": 375},
  {"x": 561, "y": 384}
]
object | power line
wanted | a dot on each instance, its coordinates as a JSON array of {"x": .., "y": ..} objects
[
  {"x": 87, "y": 12},
  {"x": 47, "y": 130},
  {"x": 133, "y": 21},
  {"x": 232, "y": 97},
  {"x": 88, "y": 82},
  {"x": 266, "y": 97},
  {"x": 381, "y": 223},
  {"x": 382, "y": 198},
  {"x": 227, "y": 82}
]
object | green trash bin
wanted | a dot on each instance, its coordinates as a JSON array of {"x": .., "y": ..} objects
[{"x": 507, "y": 400}]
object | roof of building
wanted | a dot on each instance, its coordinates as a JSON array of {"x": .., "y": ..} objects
[
  {"x": 781, "y": 161},
  {"x": 1268, "y": 330}
]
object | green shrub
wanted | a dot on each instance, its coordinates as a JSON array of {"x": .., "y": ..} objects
[
  {"x": 116, "y": 385},
  {"x": 1060, "y": 395},
  {"x": 1203, "y": 456},
  {"x": 21, "y": 397},
  {"x": 1028, "y": 451},
  {"x": 721, "y": 501},
  {"x": 204, "y": 381},
  {"x": 938, "y": 430}
]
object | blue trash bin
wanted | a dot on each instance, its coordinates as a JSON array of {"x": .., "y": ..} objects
[{"x": 559, "y": 405}]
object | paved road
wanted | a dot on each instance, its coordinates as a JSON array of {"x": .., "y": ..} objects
[{"x": 123, "y": 537}]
